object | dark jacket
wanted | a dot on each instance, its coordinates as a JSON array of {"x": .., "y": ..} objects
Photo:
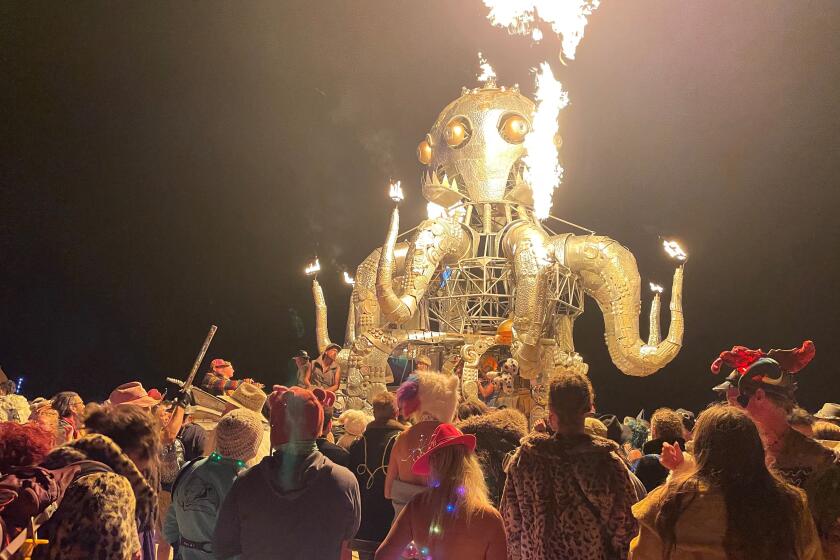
[
  {"x": 290, "y": 507},
  {"x": 369, "y": 458},
  {"x": 648, "y": 468},
  {"x": 333, "y": 452},
  {"x": 497, "y": 435}
]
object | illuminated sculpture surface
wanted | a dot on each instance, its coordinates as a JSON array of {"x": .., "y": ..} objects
[{"x": 485, "y": 271}]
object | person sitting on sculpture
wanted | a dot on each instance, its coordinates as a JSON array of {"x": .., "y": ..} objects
[{"x": 219, "y": 380}]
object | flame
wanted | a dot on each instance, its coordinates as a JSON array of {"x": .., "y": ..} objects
[
  {"x": 543, "y": 171},
  {"x": 488, "y": 75},
  {"x": 674, "y": 250},
  {"x": 348, "y": 279},
  {"x": 395, "y": 192},
  {"x": 313, "y": 268},
  {"x": 566, "y": 17},
  {"x": 656, "y": 288}
]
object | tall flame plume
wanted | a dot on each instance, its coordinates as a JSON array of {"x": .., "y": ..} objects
[
  {"x": 543, "y": 171},
  {"x": 566, "y": 17}
]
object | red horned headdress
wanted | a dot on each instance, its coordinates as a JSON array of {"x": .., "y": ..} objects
[{"x": 774, "y": 368}]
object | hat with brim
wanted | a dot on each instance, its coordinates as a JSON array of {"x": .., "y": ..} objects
[
  {"x": 445, "y": 435},
  {"x": 829, "y": 411},
  {"x": 766, "y": 373},
  {"x": 730, "y": 381},
  {"x": 132, "y": 393},
  {"x": 247, "y": 395},
  {"x": 331, "y": 346},
  {"x": 423, "y": 360}
]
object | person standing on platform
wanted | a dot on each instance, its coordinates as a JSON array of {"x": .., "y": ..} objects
[
  {"x": 303, "y": 365},
  {"x": 326, "y": 372}
]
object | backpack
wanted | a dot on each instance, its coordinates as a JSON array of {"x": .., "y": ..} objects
[{"x": 30, "y": 495}]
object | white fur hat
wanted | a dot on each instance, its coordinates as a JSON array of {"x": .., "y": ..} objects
[
  {"x": 430, "y": 393},
  {"x": 354, "y": 421}
]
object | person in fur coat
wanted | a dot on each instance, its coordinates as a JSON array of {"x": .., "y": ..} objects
[
  {"x": 568, "y": 495},
  {"x": 497, "y": 434}
]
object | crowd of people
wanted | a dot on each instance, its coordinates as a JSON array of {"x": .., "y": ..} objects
[{"x": 421, "y": 473}]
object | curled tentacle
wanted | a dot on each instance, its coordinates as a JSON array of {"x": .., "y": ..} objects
[{"x": 609, "y": 274}]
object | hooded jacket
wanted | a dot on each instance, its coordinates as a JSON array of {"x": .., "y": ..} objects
[
  {"x": 302, "y": 505},
  {"x": 568, "y": 497},
  {"x": 98, "y": 515},
  {"x": 497, "y": 436}
]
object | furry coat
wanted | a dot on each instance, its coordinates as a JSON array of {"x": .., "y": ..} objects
[
  {"x": 98, "y": 515},
  {"x": 568, "y": 497},
  {"x": 497, "y": 435}
]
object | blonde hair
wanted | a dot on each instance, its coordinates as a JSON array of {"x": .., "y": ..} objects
[{"x": 457, "y": 486}]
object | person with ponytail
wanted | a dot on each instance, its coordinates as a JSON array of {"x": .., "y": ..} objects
[{"x": 454, "y": 518}]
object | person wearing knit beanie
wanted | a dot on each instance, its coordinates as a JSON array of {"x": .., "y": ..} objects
[
  {"x": 296, "y": 503},
  {"x": 202, "y": 485},
  {"x": 239, "y": 434}
]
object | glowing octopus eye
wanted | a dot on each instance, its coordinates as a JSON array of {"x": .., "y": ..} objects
[
  {"x": 513, "y": 128},
  {"x": 424, "y": 152},
  {"x": 458, "y": 132}
]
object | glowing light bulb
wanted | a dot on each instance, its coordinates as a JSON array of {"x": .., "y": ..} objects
[
  {"x": 656, "y": 288},
  {"x": 348, "y": 279}
]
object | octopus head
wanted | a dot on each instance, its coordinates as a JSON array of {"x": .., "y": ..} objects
[{"x": 474, "y": 150}]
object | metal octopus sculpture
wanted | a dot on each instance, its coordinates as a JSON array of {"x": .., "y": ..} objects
[{"x": 487, "y": 264}]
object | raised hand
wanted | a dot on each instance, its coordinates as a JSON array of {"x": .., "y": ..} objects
[{"x": 672, "y": 456}]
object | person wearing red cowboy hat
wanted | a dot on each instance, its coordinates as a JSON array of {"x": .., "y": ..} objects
[
  {"x": 429, "y": 398},
  {"x": 219, "y": 380},
  {"x": 454, "y": 518},
  {"x": 295, "y": 504},
  {"x": 763, "y": 384},
  {"x": 133, "y": 393}
]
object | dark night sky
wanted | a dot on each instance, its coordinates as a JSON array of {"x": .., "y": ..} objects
[{"x": 166, "y": 165}]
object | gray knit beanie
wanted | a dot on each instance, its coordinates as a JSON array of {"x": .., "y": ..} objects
[{"x": 239, "y": 434}]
